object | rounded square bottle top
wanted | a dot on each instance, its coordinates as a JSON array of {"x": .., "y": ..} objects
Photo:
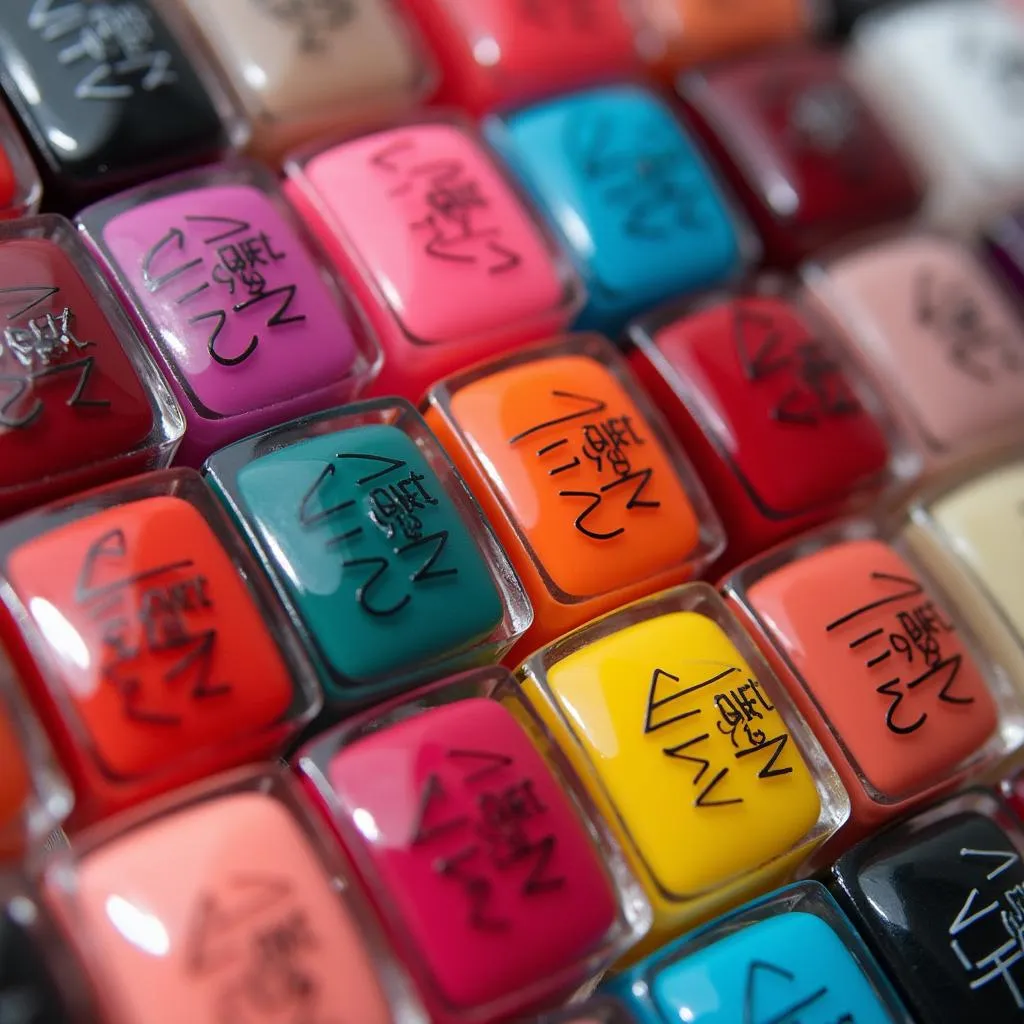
[
  {"x": 587, "y": 480},
  {"x": 789, "y": 964},
  {"x": 374, "y": 544},
  {"x": 775, "y": 396},
  {"x": 956, "y": 64},
  {"x": 882, "y": 660},
  {"x": 437, "y": 231},
  {"x": 724, "y": 789},
  {"x": 170, "y": 654},
  {"x": 236, "y": 305},
  {"x": 479, "y": 850},
  {"x": 220, "y": 910},
  {"x": 78, "y": 394},
  {"x": 121, "y": 100},
  {"x": 940, "y": 339},
  {"x": 797, "y": 136},
  {"x": 941, "y": 898},
  {"x": 295, "y": 61},
  {"x": 632, "y": 198}
]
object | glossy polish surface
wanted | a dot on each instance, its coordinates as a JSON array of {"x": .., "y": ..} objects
[
  {"x": 726, "y": 819},
  {"x": 882, "y": 660},
  {"x": 373, "y": 552},
  {"x": 940, "y": 339},
  {"x": 489, "y": 868},
  {"x": 792, "y": 967},
  {"x": 106, "y": 92},
  {"x": 804, "y": 150},
  {"x": 69, "y": 396},
  {"x": 233, "y": 303},
  {"x": 152, "y": 637},
  {"x": 223, "y": 912},
  {"x": 943, "y": 907},
  {"x": 769, "y": 415},
  {"x": 632, "y": 198}
]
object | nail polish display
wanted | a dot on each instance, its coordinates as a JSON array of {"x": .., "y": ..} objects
[
  {"x": 147, "y": 640},
  {"x": 715, "y": 787},
  {"x": 80, "y": 399},
  {"x": 945, "y": 78},
  {"x": 941, "y": 342},
  {"x": 307, "y": 66},
  {"x": 967, "y": 531},
  {"x": 630, "y": 195},
  {"x": 34, "y": 797},
  {"x": 781, "y": 428},
  {"x": 800, "y": 146},
  {"x": 1003, "y": 245},
  {"x": 375, "y": 546},
  {"x": 239, "y": 310},
  {"x": 226, "y": 905},
  {"x": 591, "y": 498},
  {"x": 475, "y": 850},
  {"x": 940, "y": 899},
  {"x": 20, "y": 188},
  {"x": 106, "y": 94},
  {"x": 38, "y": 984},
  {"x": 496, "y": 53},
  {"x": 791, "y": 956},
  {"x": 883, "y": 672},
  {"x": 688, "y": 32},
  {"x": 439, "y": 251}
]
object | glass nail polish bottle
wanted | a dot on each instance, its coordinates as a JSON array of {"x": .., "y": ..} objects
[
  {"x": 441, "y": 252},
  {"x": 148, "y": 640},
  {"x": 108, "y": 95},
  {"x": 81, "y": 400},
  {"x": 591, "y": 497},
  {"x": 375, "y": 546},
  {"x": 500, "y": 887},
  {"x": 225, "y": 902},
  {"x": 692, "y": 749},
  {"x": 234, "y": 299}
]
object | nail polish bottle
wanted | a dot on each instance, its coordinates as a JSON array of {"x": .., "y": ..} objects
[
  {"x": 895, "y": 686},
  {"x": 20, "y": 187},
  {"x": 692, "y": 750},
  {"x": 592, "y": 499},
  {"x": 781, "y": 426},
  {"x": 305, "y": 67},
  {"x": 966, "y": 529},
  {"x": 789, "y": 956},
  {"x": 439, "y": 250},
  {"x": 375, "y": 546},
  {"x": 945, "y": 78},
  {"x": 940, "y": 901},
  {"x": 496, "y": 53},
  {"x": 1003, "y": 248},
  {"x": 683, "y": 33},
  {"x": 630, "y": 196},
  {"x": 147, "y": 640},
  {"x": 81, "y": 401},
  {"x": 40, "y": 981},
  {"x": 234, "y": 299},
  {"x": 108, "y": 96},
  {"x": 939, "y": 339},
  {"x": 225, "y": 902},
  {"x": 34, "y": 796},
  {"x": 802, "y": 149},
  {"x": 500, "y": 887}
]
